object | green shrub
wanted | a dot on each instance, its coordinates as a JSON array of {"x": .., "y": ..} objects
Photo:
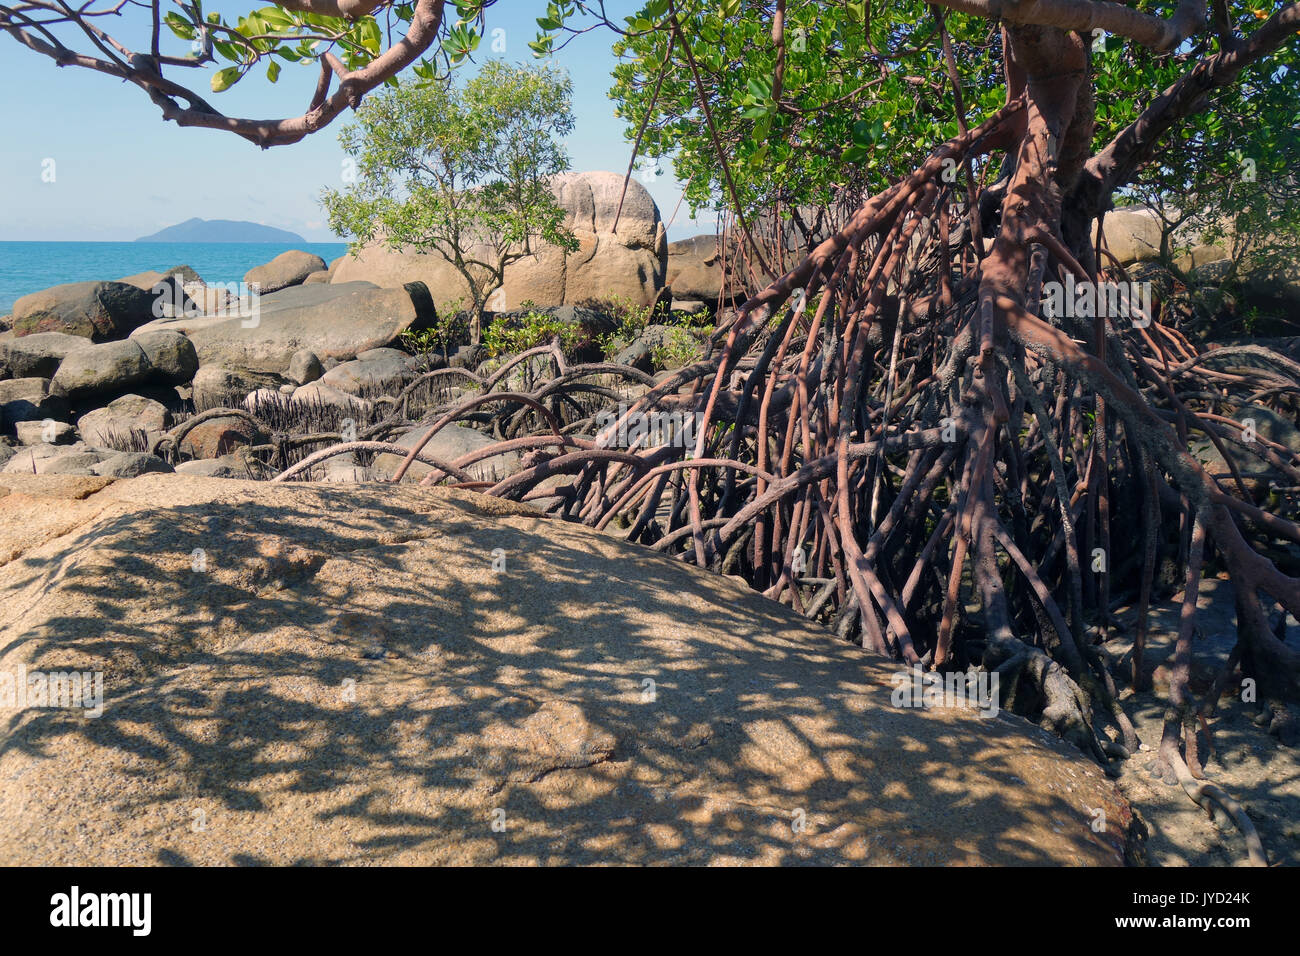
[
  {"x": 515, "y": 334},
  {"x": 681, "y": 347}
]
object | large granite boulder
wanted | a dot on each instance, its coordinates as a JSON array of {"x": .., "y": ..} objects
[
  {"x": 695, "y": 270},
  {"x": 99, "y": 311},
  {"x": 628, "y": 264},
  {"x": 123, "y": 419},
  {"x": 105, "y": 367},
  {"x": 336, "y": 321},
  {"x": 172, "y": 357},
  {"x": 38, "y": 354},
  {"x": 373, "y": 372},
  {"x": 1132, "y": 234},
  {"x": 354, "y": 674},
  {"x": 286, "y": 269}
]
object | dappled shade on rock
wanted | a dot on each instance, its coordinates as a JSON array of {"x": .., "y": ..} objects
[{"x": 313, "y": 674}]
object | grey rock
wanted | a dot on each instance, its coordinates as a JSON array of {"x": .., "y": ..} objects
[
  {"x": 106, "y": 367},
  {"x": 381, "y": 370},
  {"x": 450, "y": 443},
  {"x": 129, "y": 464},
  {"x": 234, "y": 465},
  {"x": 261, "y": 397},
  {"x": 287, "y": 269},
  {"x": 305, "y": 367},
  {"x": 320, "y": 393},
  {"x": 336, "y": 321},
  {"x": 38, "y": 355},
  {"x": 215, "y": 386},
  {"x": 690, "y": 307},
  {"x": 99, "y": 311},
  {"x": 114, "y": 424},
  {"x": 44, "y": 459},
  {"x": 170, "y": 353},
  {"x": 345, "y": 468},
  {"x": 47, "y": 432},
  {"x": 467, "y": 356},
  {"x": 26, "y": 399},
  {"x": 636, "y": 355}
]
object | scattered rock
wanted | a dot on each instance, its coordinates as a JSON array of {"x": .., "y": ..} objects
[
  {"x": 321, "y": 394},
  {"x": 334, "y": 321},
  {"x": 38, "y": 355},
  {"x": 304, "y": 367},
  {"x": 45, "y": 459},
  {"x": 450, "y": 443},
  {"x": 26, "y": 399},
  {"x": 287, "y": 269},
  {"x": 147, "y": 280},
  {"x": 99, "y": 311},
  {"x": 636, "y": 355},
  {"x": 215, "y": 387},
  {"x": 1132, "y": 234},
  {"x": 47, "y": 432},
  {"x": 690, "y": 307},
  {"x": 343, "y": 468},
  {"x": 377, "y": 370},
  {"x": 234, "y": 465},
  {"x": 170, "y": 354},
  {"x": 123, "y": 417},
  {"x": 130, "y": 464},
  {"x": 106, "y": 367},
  {"x": 219, "y": 436},
  {"x": 694, "y": 271},
  {"x": 467, "y": 356}
]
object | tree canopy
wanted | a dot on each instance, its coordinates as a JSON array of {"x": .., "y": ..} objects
[{"x": 462, "y": 171}]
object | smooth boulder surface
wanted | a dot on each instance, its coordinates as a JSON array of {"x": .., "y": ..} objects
[
  {"x": 286, "y": 269},
  {"x": 106, "y": 367},
  {"x": 339, "y": 674},
  {"x": 1132, "y": 234},
  {"x": 629, "y": 263},
  {"x": 378, "y": 370},
  {"x": 123, "y": 417},
  {"x": 695, "y": 270},
  {"x": 99, "y": 311},
  {"x": 171, "y": 356},
  {"x": 29, "y": 399},
  {"x": 448, "y": 444},
  {"x": 336, "y": 321},
  {"x": 37, "y": 355}
]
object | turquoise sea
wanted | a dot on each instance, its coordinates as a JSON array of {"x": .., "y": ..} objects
[{"x": 31, "y": 266}]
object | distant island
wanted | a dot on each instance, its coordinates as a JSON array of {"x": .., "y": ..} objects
[{"x": 222, "y": 230}]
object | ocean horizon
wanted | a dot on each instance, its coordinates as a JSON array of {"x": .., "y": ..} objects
[{"x": 27, "y": 267}]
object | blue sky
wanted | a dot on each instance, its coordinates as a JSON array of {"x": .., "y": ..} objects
[{"x": 120, "y": 172}]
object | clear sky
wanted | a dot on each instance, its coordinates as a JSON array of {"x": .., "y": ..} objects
[{"x": 120, "y": 172}]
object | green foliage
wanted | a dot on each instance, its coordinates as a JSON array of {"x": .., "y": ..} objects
[
  {"x": 460, "y": 172},
  {"x": 865, "y": 96},
  {"x": 274, "y": 34},
  {"x": 679, "y": 347},
  {"x": 630, "y": 320},
  {"x": 449, "y": 329},
  {"x": 508, "y": 336}
]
